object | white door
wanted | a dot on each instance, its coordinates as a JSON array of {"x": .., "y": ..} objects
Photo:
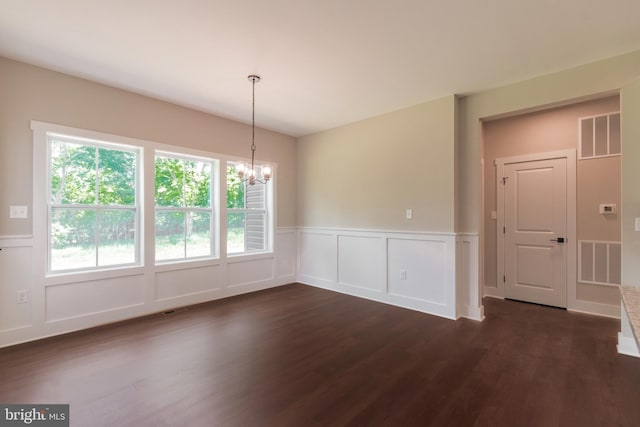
[{"x": 535, "y": 229}]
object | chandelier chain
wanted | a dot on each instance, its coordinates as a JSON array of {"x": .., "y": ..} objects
[{"x": 249, "y": 175}]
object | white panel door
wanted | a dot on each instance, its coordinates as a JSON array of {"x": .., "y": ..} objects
[{"x": 535, "y": 255}]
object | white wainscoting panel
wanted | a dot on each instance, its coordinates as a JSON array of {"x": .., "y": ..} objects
[
  {"x": 360, "y": 262},
  {"x": 417, "y": 269},
  {"x": 317, "y": 257},
  {"x": 15, "y": 275},
  {"x": 177, "y": 283},
  {"x": 242, "y": 272},
  {"x": 412, "y": 270},
  {"x": 286, "y": 255},
  {"x": 626, "y": 341},
  {"x": 65, "y": 303},
  {"x": 469, "y": 303},
  {"x": 71, "y": 300}
]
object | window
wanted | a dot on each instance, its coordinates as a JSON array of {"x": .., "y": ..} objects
[
  {"x": 247, "y": 214},
  {"x": 93, "y": 204},
  {"x": 95, "y": 194},
  {"x": 184, "y": 212}
]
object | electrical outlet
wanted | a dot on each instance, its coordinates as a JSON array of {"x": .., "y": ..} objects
[
  {"x": 18, "y": 212},
  {"x": 409, "y": 213},
  {"x": 22, "y": 296}
]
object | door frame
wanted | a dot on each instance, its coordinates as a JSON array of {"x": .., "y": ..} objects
[{"x": 571, "y": 243}]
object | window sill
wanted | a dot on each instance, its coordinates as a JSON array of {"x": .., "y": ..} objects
[
  {"x": 242, "y": 257},
  {"x": 185, "y": 264},
  {"x": 85, "y": 276}
]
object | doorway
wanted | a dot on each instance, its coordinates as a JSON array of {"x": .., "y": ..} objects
[
  {"x": 536, "y": 233},
  {"x": 541, "y": 135}
]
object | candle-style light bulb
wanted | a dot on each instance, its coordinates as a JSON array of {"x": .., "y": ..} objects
[{"x": 266, "y": 173}]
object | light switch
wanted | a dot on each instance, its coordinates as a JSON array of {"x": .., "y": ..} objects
[
  {"x": 18, "y": 212},
  {"x": 494, "y": 215},
  {"x": 409, "y": 213}
]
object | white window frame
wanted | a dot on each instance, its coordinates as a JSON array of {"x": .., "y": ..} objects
[
  {"x": 70, "y": 137},
  {"x": 213, "y": 237},
  {"x": 145, "y": 197},
  {"x": 269, "y": 213}
]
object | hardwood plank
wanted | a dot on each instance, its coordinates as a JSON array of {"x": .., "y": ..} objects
[{"x": 302, "y": 356}]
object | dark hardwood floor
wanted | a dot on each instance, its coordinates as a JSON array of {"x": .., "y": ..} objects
[{"x": 301, "y": 356}]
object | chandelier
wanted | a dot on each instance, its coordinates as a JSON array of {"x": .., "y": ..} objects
[{"x": 248, "y": 173}]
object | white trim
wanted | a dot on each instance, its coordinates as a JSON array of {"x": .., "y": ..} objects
[
  {"x": 187, "y": 264},
  {"x": 16, "y": 241},
  {"x": 627, "y": 346},
  {"x": 595, "y": 308},
  {"x": 58, "y": 296},
  {"x": 46, "y": 127},
  {"x": 468, "y": 298},
  {"x": 68, "y": 278},
  {"x": 214, "y": 202},
  {"x": 627, "y": 342},
  {"x": 377, "y": 232},
  {"x": 113, "y": 144},
  {"x": 482, "y": 235},
  {"x": 493, "y": 292},
  {"x": 548, "y": 155},
  {"x": 449, "y": 288}
]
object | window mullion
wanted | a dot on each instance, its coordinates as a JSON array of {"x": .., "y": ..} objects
[
  {"x": 97, "y": 209},
  {"x": 97, "y": 235},
  {"x": 97, "y": 179}
]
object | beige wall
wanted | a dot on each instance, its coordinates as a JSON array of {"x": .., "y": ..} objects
[
  {"x": 569, "y": 86},
  {"x": 31, "y": 93},
  {"x": 366, "y": 174},
  {"x": 598, "y": 180}
]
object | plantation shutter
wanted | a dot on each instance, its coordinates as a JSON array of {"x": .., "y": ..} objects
[{"x": 255, "y": 224}]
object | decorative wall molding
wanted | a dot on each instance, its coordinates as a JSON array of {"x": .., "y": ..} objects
[
  {"x": 596, "y": 308},
  {"x": 469, "y": 298},
  {"x": 16, "y": 241},
  {"x": 417, "y": 270},
  {"x": 66, "y": 303}
]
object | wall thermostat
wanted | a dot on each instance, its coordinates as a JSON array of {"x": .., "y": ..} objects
[{"x": 607, "y": 209}]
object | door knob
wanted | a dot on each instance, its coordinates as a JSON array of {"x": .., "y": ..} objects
[{"x": 559, "y": 240}]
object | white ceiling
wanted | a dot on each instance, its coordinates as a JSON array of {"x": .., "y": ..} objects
[{"x": 323, "y": 63}]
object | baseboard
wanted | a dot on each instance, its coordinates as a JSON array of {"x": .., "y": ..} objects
[
  {"x": 472, "y": 313},
  {"x": 627, "y": 346},
  {"x": 397, "y": 301},
  {"x": 493, "y": 291},
  {"x": 588, "y": 307}
]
